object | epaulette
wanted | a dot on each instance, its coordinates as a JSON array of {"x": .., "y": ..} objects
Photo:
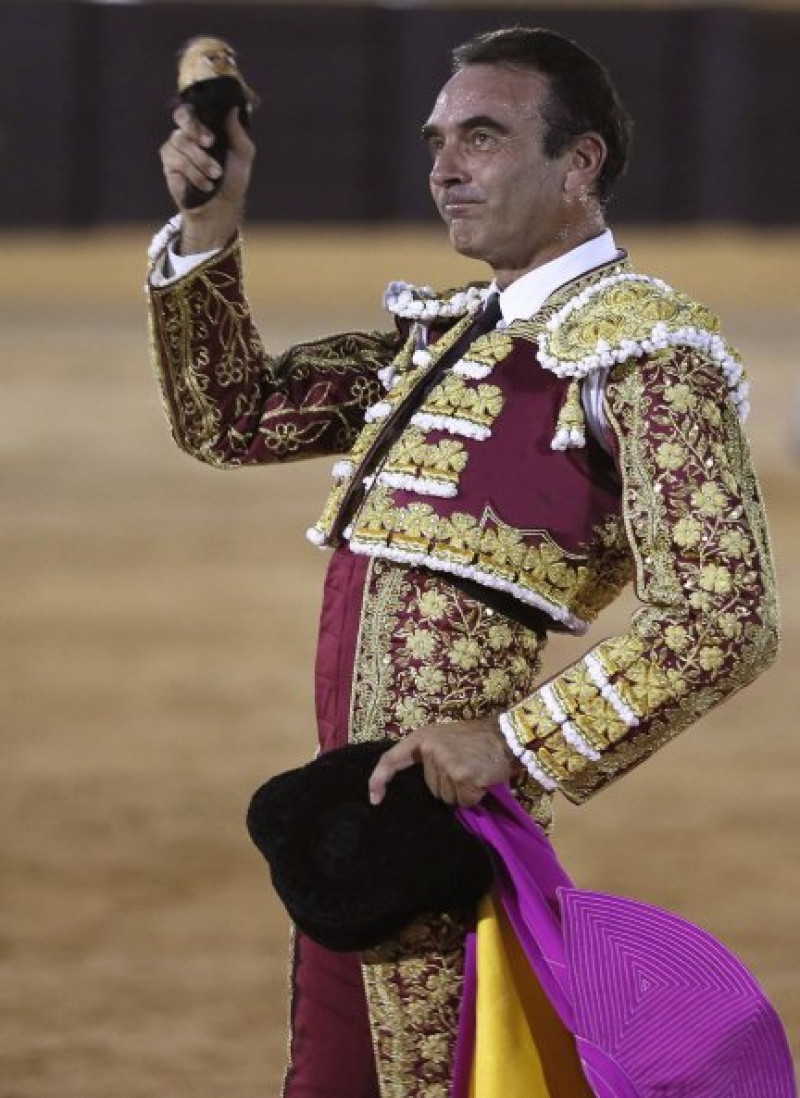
[{"x": 626, "y": 316}]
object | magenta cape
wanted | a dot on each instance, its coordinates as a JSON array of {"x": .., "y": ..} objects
[{"x": 658, "y": 1007}]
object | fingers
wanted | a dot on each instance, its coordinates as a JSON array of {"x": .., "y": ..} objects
[
  {"x": 397, "y": 758},
  {"x": 438, "y": 780},
  {"x": 185, "y": 158},
  {"x": 460, "y": 761},
  {"x": 187, "y": 122},
  {"x": 443, "y": 775},
  {"x": 450, "y": 785}
]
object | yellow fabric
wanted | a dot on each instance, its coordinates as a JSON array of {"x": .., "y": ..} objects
[{"x": 522, "y": 1050}]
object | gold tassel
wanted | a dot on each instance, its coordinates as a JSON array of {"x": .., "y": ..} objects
[{"x": 571, "y": 426}]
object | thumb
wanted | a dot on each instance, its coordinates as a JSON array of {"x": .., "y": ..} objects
[{"x": 237, "y": 134}]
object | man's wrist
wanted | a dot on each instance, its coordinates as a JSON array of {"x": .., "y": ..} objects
[
  {"x": 515, "y": 765},
  {"x": 192, "y": 244},
  {"x": 199, "y": 235}
]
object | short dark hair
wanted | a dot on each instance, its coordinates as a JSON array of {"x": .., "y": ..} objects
[{"x": 581, "y": 99}]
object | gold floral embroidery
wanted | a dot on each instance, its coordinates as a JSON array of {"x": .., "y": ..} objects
[
  {"x": 455, "y": 397},
  {"x": 413, "y": 987},
  {"x": 628, "y": 310},
  {"x": 426, "y": 653},
  {"x": 593, "y": 716},
  {"x": 412, "y": 455},
  {"x": 533, "y": 720},
  {"x": 228, "y": 402},
  {"x": 440, "y": 463},
  {"x": 579, "y": 584},
  {"x": 703, "y": 571},
  {"x": 489, "y": 349}
]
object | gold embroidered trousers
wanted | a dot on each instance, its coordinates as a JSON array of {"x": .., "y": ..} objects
[{"x": 399, "y": 647}]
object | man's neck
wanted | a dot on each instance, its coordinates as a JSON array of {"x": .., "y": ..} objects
[
  {"x": 522, "y": 298},
  {"x": 570, "y": 238}
]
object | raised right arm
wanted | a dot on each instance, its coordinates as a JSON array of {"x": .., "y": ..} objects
[
  {"x": 231, "y": 404},
  {"x": 228, "y": 402}
]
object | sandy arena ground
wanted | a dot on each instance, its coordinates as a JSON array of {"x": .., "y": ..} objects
[{"x": 158, "y": 648}]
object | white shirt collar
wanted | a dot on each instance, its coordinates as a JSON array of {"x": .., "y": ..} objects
[{"x": 526, "y": 295}]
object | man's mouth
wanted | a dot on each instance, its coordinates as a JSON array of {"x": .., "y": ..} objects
[{"x": 459, "y": 207}]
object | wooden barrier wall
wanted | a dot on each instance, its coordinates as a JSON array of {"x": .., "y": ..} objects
[{"x": 86, "y": 88}]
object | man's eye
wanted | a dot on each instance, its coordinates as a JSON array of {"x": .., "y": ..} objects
[{"x": 482, "y": 139}]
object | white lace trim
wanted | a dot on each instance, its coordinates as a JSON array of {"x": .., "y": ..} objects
[
  {"x": 600, "y": 679},
  {"x": 526, "y": 757},
  {"x": 568, "y": 729},
  {"x": 164, "y": 236}
]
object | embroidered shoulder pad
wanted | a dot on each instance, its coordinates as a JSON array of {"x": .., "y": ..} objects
[
  {"x": 629, "y": 315},
  {"x": 424, "y": 303}
]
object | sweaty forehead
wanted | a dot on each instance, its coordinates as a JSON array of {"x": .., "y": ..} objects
[{"x": 489, "y": 91}]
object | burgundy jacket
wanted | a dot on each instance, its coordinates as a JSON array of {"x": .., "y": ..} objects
[{"x": 497, "y": 479}]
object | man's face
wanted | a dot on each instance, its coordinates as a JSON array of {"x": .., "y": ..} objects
[{"x": 500, "y": 196}]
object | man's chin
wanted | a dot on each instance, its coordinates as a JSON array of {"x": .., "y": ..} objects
[{"x": 464, "y": 241}]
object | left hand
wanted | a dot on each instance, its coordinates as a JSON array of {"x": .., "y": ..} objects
[{"x": 460, "y": 760}]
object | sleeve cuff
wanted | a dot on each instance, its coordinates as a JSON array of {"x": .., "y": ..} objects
[
  {"x": 167, "y": 266},
  {"x": 525, "y": 756}
]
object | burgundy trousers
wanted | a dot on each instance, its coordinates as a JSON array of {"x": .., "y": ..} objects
[{"x": 331, "y": 1053}]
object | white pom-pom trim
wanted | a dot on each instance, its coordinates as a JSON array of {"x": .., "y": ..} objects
[
  {"x": 316, "y": 537},
  {"x": 425, "y": 486},
  {"x": 568, "y": 729},
  {"x": 386, "y": 375},
  {"x": 469, "y": 571},
  {"x": 421, "y": 302},
  {"x": 526, "y": 757},
  {"x": 600, "y": 679},
  {"x": 377, "y": 411},
  {"x": 568, "y": 438},
  {"x": 428, "y": 421},
  {"x": 475, "y": 370},
  {"x": 659, "y": 339}
]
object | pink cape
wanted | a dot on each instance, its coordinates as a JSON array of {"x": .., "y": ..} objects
[{"x": 658, "y": 1007}]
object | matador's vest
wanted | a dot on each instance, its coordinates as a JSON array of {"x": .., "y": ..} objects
[{"x": 495, "y": 478}]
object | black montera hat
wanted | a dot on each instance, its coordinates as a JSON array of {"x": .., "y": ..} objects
[{"x": 352, "y": 874}]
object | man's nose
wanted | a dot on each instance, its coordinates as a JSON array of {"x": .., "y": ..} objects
[{"x": 448, "y": 167}]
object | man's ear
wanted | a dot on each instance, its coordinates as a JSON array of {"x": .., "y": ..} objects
[{"x": 585, "y": 162}]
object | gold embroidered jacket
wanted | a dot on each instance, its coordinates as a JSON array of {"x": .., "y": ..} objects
[{"x": 676, "y": 504}]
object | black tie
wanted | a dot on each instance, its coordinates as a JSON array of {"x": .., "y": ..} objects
[{"x": 398, "y": 419}]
